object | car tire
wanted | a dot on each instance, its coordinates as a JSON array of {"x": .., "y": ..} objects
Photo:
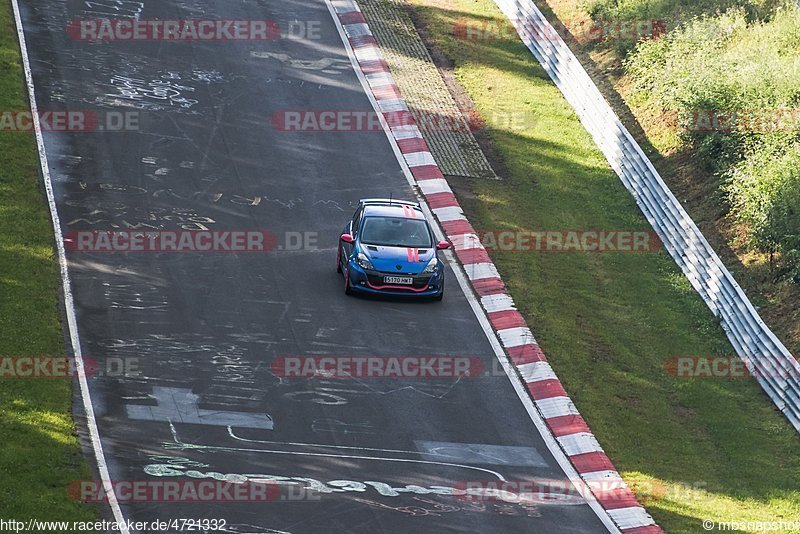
[
  {"x": 347, "y": 290},
  {"x": 339, "y": 260},
  {"x": 439, "y": 297}
]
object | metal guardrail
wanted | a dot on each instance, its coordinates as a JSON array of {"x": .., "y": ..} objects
[{"x": 766, "y": 357}]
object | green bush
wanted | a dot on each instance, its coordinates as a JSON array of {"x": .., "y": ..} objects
[
  {"x": 677, "y": 9},
  {"x": 765, "y": 192},
  {"x": 729, "y": 65},
  {"x": 671, "y": 14},
  {"x": 722, "y": 62}
]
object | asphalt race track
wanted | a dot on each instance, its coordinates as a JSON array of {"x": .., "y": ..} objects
[{"x": 204, "y": 328}]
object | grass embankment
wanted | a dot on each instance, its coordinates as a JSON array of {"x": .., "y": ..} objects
[
  {"x": 608, "y": 322},
  {"x": 742, "y": 70},
  {"x": 39, "y": 450},
  {"x": 740, "y": 184}
]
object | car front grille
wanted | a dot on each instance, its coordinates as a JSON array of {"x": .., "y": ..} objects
[{"x": 419, "y": 281}]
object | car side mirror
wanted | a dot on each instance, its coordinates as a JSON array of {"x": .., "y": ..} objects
[
  {"x": 442, "y": 245},
  {"x": 347, "y": 238}
]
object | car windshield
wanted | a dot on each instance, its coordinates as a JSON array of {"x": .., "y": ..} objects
[{"x": 396, "y": 232}]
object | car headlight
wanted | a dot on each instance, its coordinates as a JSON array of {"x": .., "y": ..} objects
[
  {"x": 431, "y": 268},
  {"x": 363, "y": 261}
]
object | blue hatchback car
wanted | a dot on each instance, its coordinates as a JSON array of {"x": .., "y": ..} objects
[{"x": 388, "y": 248}]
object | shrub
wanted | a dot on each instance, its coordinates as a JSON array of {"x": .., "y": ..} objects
[
  {"x": 764, "y": 190},
  {"x": 731, "y": 64},
  {"x": 678, "y": 9}
]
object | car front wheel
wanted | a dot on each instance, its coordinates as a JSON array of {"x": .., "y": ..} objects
[
  {"x": 347, "y": 289},
  {"x": 440, "y": 296}
]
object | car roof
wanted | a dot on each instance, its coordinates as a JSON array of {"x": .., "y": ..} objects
[{"x": 395, "y": 210}]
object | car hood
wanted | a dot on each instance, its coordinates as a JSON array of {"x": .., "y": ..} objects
[{"x": 387, "y": 259}]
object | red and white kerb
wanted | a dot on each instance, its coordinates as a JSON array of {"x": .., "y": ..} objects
[{"x": 549, "y": 396}]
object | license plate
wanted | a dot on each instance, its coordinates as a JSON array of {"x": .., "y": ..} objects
[{"x": 407, "y": 280}]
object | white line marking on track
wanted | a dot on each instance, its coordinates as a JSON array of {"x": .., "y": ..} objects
[
  {"x": 435, "y": 452},
  {"x": 322, "y": 445},
  {"x": 180, "y": 445}
]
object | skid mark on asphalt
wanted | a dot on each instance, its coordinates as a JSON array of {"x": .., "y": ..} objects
[
  {"x": 332, "y": 392},
  {"x": 244, "y": 528},
  {"x": 135, "y": 297},
  {"x": 329, "y": 424},
  {"x": 114, "y": 8},
  {"x": 438, "y": 508},
  {"x": 155, "y": 94}
]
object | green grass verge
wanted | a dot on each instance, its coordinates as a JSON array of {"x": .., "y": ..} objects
[
  {"x": 39, "y": 450},
  {"x": 608, "y": 322}
]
